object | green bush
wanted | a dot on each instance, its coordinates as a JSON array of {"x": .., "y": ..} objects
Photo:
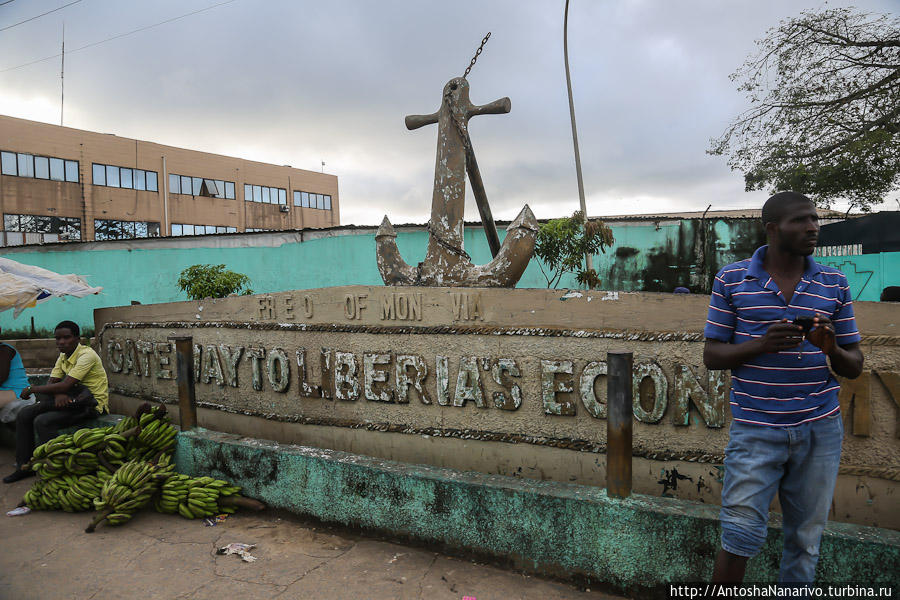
[
  {"x": 562, "y": 243},
  {"x": 212, "y": 281}
]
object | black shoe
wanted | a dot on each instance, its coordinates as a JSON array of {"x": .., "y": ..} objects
[{"x": 17, "y": 475}]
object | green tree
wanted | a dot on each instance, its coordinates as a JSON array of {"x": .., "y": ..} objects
[
  {"x": 824, "y": 116},
  {"x": 562, "y": 244},
  {"x": 212, "y": 281}
]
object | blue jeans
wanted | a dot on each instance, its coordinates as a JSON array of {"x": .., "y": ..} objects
[{"x": 801, "y": 463}]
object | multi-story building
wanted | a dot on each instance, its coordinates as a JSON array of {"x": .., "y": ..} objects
[{"x": 59, "y": 183}]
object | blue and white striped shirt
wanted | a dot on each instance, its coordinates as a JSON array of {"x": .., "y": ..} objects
[{"x": 793, "y": 386}]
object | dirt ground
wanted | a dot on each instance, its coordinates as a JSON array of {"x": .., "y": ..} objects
[{"x": 48, "y": 556}]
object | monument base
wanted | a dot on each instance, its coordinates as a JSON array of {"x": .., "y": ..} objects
[
  {"x": 509, "y": 382},
  {"x": 633, "y": 545}
]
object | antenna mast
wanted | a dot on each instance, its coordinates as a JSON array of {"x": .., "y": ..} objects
[{"x": 62, "y": 76}]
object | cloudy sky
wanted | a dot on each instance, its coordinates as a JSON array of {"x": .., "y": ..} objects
[{"x": 300, "y": 83}]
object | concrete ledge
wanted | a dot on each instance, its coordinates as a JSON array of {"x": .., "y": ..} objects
[{"x": 551, "y": 528}]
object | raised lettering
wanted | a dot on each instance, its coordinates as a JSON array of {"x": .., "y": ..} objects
[
  {"x": 144, "y": 350},
  {"x": 256, "y": 357},
  {"x": 211, "y": 366},
  {"x": 163, "y": 361},
  {"x": 130, "y": 361},
  {"x": 388, "y": 308},
  {"x": 891, "y": 381},
  {"x": 854, "y": 399},
  {"x": 349, "y": 306},
  {"x": 659, "y": 395},
  {"x": 198, "y": 354},
  {"x": 687, "y": 388},
  {"x": 305, "y": 389},
  {"x": 372, "y": 376},
  {"x": 346, "y": 383},
  {"x": 442, "y": 379},
  {"x": 501, "y": 370},
  {"x": 460, "y": 306},
  {"x": 267, "y": 308},
  {"x": 550, "y": 387},
  {"x": 468, "y": 383},
  {"x": 415, "y": 305},
  {"x": 114, "y": 356},
  {"x": 231, "y": 356},
  {"x": 402, "y": 381},
  {"x": 278, "y": 370},
  {"x": 588, "y": 388},
  {"x": 327, "y": 368}
]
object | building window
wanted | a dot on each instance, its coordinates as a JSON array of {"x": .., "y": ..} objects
[
  {"x": 38, "y": 167},
  {"x": 311, "y": 200},
  {"x": 68, "y": 228},
  {"x": 124, "y": 177},
  {"x": 72, "y": 171},
  {"x": 57, "y": 169},
  {"x": 107, "y": 229},
  {"x": 186, "y": 229},
  {"x": 265, "y": 195},
  {"x": 200, "y": 186},
  {"x": 8, "y": 161},
  {"x": 41, "y": 167}
]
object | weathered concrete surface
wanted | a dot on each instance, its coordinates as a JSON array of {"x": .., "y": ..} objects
[
  {"x": 511, "y": 368},
  {"x": 49, "y": 557},
  {"x": 550, "y": 528},
  {"x": 860, "y": 500},
  {"x": 39, "y": 353}
]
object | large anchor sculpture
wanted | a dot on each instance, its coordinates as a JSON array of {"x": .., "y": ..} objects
[{"x": 446, "y": 262}]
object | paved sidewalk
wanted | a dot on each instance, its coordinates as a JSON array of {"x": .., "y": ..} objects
[{"x": 48, "y": 556}]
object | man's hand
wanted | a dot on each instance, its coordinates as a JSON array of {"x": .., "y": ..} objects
[
  {"x": 783, "y": 335},
  {"x": 822, "y": 334},
  {"x": 26, "y": 393},
  {"x": 62, "y": 400}
]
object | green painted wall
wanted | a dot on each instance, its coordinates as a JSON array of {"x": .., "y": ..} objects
[
  {"x": 648, "y": 256},
  {"x": 868, "y": 274},
  {"x": 632, "y": 545}
]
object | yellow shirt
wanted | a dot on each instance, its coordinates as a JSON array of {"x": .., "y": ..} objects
[{"x": 85, "y": 366}]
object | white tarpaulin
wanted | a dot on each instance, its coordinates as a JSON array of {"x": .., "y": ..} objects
[{"x": 23, "y": 286}]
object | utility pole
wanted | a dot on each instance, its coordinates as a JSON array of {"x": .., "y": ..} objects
[
  {"x": 62, "y": 76},
  {"x": 588, "y": 259}
]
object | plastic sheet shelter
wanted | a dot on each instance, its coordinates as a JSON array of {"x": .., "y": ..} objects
[{"x": 24, "y": 286}]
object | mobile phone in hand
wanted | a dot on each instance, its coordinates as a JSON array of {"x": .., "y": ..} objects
[{"x": 805, "y": 322}]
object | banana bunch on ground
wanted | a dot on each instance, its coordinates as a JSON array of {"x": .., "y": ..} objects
[
  {"x": 70, "y": 453},
  {"x": 123, "y": 494},
  {"x": 195, "y": 497},
  {"x": 119, "y": 469},
  {"x": 157, "y": 435},
  {"x": 67, "y": 492}
]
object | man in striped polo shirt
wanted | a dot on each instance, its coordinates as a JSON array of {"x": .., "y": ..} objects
[{"x": 786, "y": 429}]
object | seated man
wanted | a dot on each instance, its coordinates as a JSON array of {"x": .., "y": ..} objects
[{"x": 77, "y": 390}]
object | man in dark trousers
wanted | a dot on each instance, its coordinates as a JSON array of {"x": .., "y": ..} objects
[
  {"x": 778, "y": 320},
  {"x": 77, "y": 390}
]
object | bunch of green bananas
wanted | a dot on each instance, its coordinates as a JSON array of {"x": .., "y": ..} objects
[
  {"x": 66, "y": 492},
  {"x": 156, "y": 436},
  {"x": 69, "y": 453},
  {"x": 194, "y": 497},
  {"x": 125, "y": 493}
]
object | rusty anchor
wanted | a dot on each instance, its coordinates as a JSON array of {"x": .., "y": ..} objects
[{"x": 446, "y": 262}]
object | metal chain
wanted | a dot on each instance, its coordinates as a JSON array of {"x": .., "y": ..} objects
[
  {"x": 460, "y": 126},
  {"x": 442, "y": 242},
  {"x": 477, "y": 52}
]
